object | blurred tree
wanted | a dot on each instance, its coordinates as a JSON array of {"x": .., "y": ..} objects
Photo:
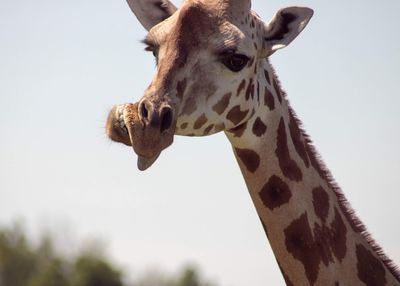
[
  {"x": 17, "y": 261},
  {"x": 90, "y": 270},
  {"x": 52, "y": 274},
  {"x": 23, "y": 264},
  {"x": 191, "y": 277}
]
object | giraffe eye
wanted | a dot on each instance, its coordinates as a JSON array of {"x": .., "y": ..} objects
[{"x": 235, "y": 62}]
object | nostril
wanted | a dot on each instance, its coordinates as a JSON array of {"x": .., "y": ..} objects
[
  {"x": 144, "y": 113},
  {"x": 166, "y": 119}
]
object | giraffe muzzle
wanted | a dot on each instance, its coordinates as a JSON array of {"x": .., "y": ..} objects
[{"x": 138, "y": 125}]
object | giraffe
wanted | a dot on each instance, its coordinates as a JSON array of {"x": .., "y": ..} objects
[{"x": 214, "y": 74}]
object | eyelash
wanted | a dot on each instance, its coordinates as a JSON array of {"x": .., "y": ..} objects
[{"x": 154, "y": 51}]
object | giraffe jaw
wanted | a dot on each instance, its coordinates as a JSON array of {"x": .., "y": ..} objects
[{"x": 124, "y": 126}]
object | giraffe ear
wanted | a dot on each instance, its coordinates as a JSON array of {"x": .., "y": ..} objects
[
  {"x": 284, "y": 28},
  {"x": 151, "y": 12}
]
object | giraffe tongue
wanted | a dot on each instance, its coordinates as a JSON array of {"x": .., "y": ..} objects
[{"x": 144, "y": 163}]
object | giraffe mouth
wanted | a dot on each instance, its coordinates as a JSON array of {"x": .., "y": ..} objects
[{"x": 124, "y": 126}]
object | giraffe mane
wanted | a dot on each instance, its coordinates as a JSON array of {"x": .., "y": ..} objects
[{"x": 344, "y": 204}]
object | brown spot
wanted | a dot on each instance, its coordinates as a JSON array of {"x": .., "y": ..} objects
[
  {"x": 239, "y": 130},
  {"x": 250, "y": 90},
  {"x": 200, "y": 121},
  {"x": 221, "y": 105},
  {"x": 241, "y": 87},
  {"x": 249, "y": 158},
  {"x": 236, "y": 115},
  {"x": 322, "y": 238},
  {"x": 208, "y": 129},
  {"x": 184, "y": 125},
  {"x": 189, "y": 106},
  {"x": 180, "y": 88},
  {"x": 251, "y": 61},
  {"x": 278, "y": 91},
  {"x": 255, "y": 46},
  {"x": 267, "y": 77},
  {"x": 258, "y": 92},
  {"x": 369, "y": 269},
  {"x": 259, "y": 127},
  {"x": 275, "y": 193},
  {"x": 299, "y": 144},
  {"x": 321, "y": 203},
  {"x": 299, "y": 242},
  {"x": 339, "y": 231},
  {"x": 288, "y": 166},
  {"x": 269, "y": 99}
]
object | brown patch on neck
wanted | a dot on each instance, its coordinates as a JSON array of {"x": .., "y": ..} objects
[
  {"x": 189, "y": 106},
  {"x": 267, "y": 77},
  {"x": 299, "y": 242},
  {"x": 339, "y": 232},
  {"x": 321, "y": 203},
  {"x": 275, "y": 193},
  {"x": 250, "y": 90},
  {"x": 322, "y": 238},
  {"x": 259, "y": 127},
  {"x": 241, "y": 87},
  {"x": 369, "y": 269},
  {"x": 208, "y": 129},
  {"x": 221, "y": 105},
  {"x": 249, "y": 158},
  {"x": 236, "y": 115},
  {"x": 184, "y": 125},
  {"x": 269, "y": 99},
  {"x": 278, "y": 90},
  {"x": 200, "y": 121},
  {"x": 239, "y": 130},
  {"x": 251, "y": 61},
  {"x": 288, "y": 166}
]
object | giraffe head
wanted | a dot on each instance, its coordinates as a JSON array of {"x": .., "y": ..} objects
[{"x": 207, "y": 53}]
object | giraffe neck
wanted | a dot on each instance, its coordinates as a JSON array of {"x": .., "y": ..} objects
[{"x": 314, "y": 234}]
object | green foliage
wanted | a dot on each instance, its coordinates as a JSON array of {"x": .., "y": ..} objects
[
  {"x": 23, "y": 264},
  {"x": 17, "y": 261},
  {"x": 94, "y": 271}
]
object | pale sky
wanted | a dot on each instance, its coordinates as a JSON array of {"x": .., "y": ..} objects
[{"x": 64, "y": 64}]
